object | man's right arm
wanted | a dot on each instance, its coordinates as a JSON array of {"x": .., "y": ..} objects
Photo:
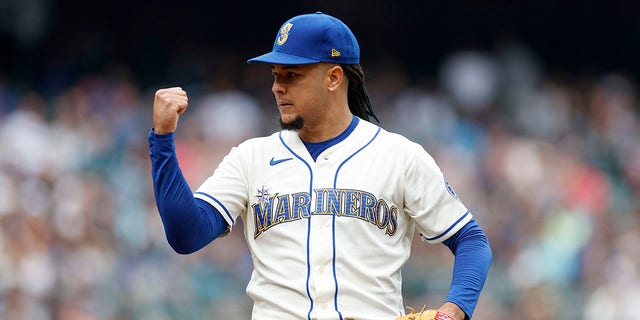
[{"x": 189, "y": 223}]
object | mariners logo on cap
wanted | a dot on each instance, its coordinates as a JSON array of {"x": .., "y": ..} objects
[{"x": 284, "y": 34}]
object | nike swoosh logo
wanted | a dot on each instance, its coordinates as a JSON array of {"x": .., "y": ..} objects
[{"x": 273, "y": 162}]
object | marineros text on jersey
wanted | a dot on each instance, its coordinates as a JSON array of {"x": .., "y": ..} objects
[{"x": 273, "y": 209}]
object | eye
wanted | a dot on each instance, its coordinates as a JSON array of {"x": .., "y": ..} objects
[{"x": 286, "y": 76}]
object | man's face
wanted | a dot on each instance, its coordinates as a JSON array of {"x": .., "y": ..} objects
[{"x": 300, "y": 93}]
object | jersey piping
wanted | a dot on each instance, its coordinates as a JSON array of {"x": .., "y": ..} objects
[
  {"x": 221, "y": 206},
  {"x": 308, "y": 224},
  {"x": 449, "y": 229},
  {"x": 333, "y": 222},
  {"x": 335, "y": 298}
]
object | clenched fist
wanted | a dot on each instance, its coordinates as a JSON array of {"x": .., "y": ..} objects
[{"x": 168, "y": 105}]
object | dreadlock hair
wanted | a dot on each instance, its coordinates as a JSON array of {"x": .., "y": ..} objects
[{"x": 357, "y": 96}]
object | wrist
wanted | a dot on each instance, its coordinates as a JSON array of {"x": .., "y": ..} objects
[
  {"x": 161, "y": 134},
  {"x": 452, "y": 310}
]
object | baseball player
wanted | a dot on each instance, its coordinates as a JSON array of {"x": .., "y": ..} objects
[{"x": 330, "y": 203}]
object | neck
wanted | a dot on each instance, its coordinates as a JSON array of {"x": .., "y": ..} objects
[{"x": 325, "y": 130}]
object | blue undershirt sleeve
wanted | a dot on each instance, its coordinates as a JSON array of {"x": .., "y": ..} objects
[
  {"x": 473, "y": 256},
  {"x": 189, "y": 223}
]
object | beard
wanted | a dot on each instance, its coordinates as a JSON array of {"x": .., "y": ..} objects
[{"x": 294, "y": 125}]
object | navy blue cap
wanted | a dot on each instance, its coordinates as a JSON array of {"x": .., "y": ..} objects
[{"x": 313, "y": 38}]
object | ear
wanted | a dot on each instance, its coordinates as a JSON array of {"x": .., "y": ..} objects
[{"x": 335, "y": 77}]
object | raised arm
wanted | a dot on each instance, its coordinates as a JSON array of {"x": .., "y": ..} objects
[{"x": 189, "y": 223}]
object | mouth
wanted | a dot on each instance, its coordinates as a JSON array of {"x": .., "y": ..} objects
[{"x": 284, "y": 104}]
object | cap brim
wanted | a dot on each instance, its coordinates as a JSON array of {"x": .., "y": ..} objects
[{"x": 281, "y": 58}]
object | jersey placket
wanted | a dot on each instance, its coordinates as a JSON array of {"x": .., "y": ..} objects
[{"x": 322, "y": 245}]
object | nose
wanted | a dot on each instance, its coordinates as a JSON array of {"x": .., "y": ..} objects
[{"x": 277, "y": 86}]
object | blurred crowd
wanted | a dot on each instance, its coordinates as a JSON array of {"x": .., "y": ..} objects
[{"x": 548, "y": 163}]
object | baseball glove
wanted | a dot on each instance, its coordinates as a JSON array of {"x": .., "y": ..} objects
[{"x": 430, "y": 314}]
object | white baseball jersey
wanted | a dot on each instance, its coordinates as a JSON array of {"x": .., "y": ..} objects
[{"x": 328, "y": 237}]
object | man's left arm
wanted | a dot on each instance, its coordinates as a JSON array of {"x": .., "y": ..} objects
[{"x": 473, "y": 256}]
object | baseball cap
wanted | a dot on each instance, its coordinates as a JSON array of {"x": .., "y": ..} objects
[{"x": 312, "y": 38}]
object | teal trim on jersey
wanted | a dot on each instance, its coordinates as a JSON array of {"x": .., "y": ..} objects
[
  {"x": 448, "y": 229},
  {"x": 316, "y": 148},
  {"x": 333, "y": 222},
  {"x": 233, "y": 221},
  {"x": 308, "y": 224}
]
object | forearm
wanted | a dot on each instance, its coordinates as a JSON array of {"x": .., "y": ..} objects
[
  {"x": 188, "y": 224},
  {"x": 472, "y": 260}
]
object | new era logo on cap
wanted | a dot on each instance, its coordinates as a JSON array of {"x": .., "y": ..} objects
[{"x": 313, "y": 38}]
